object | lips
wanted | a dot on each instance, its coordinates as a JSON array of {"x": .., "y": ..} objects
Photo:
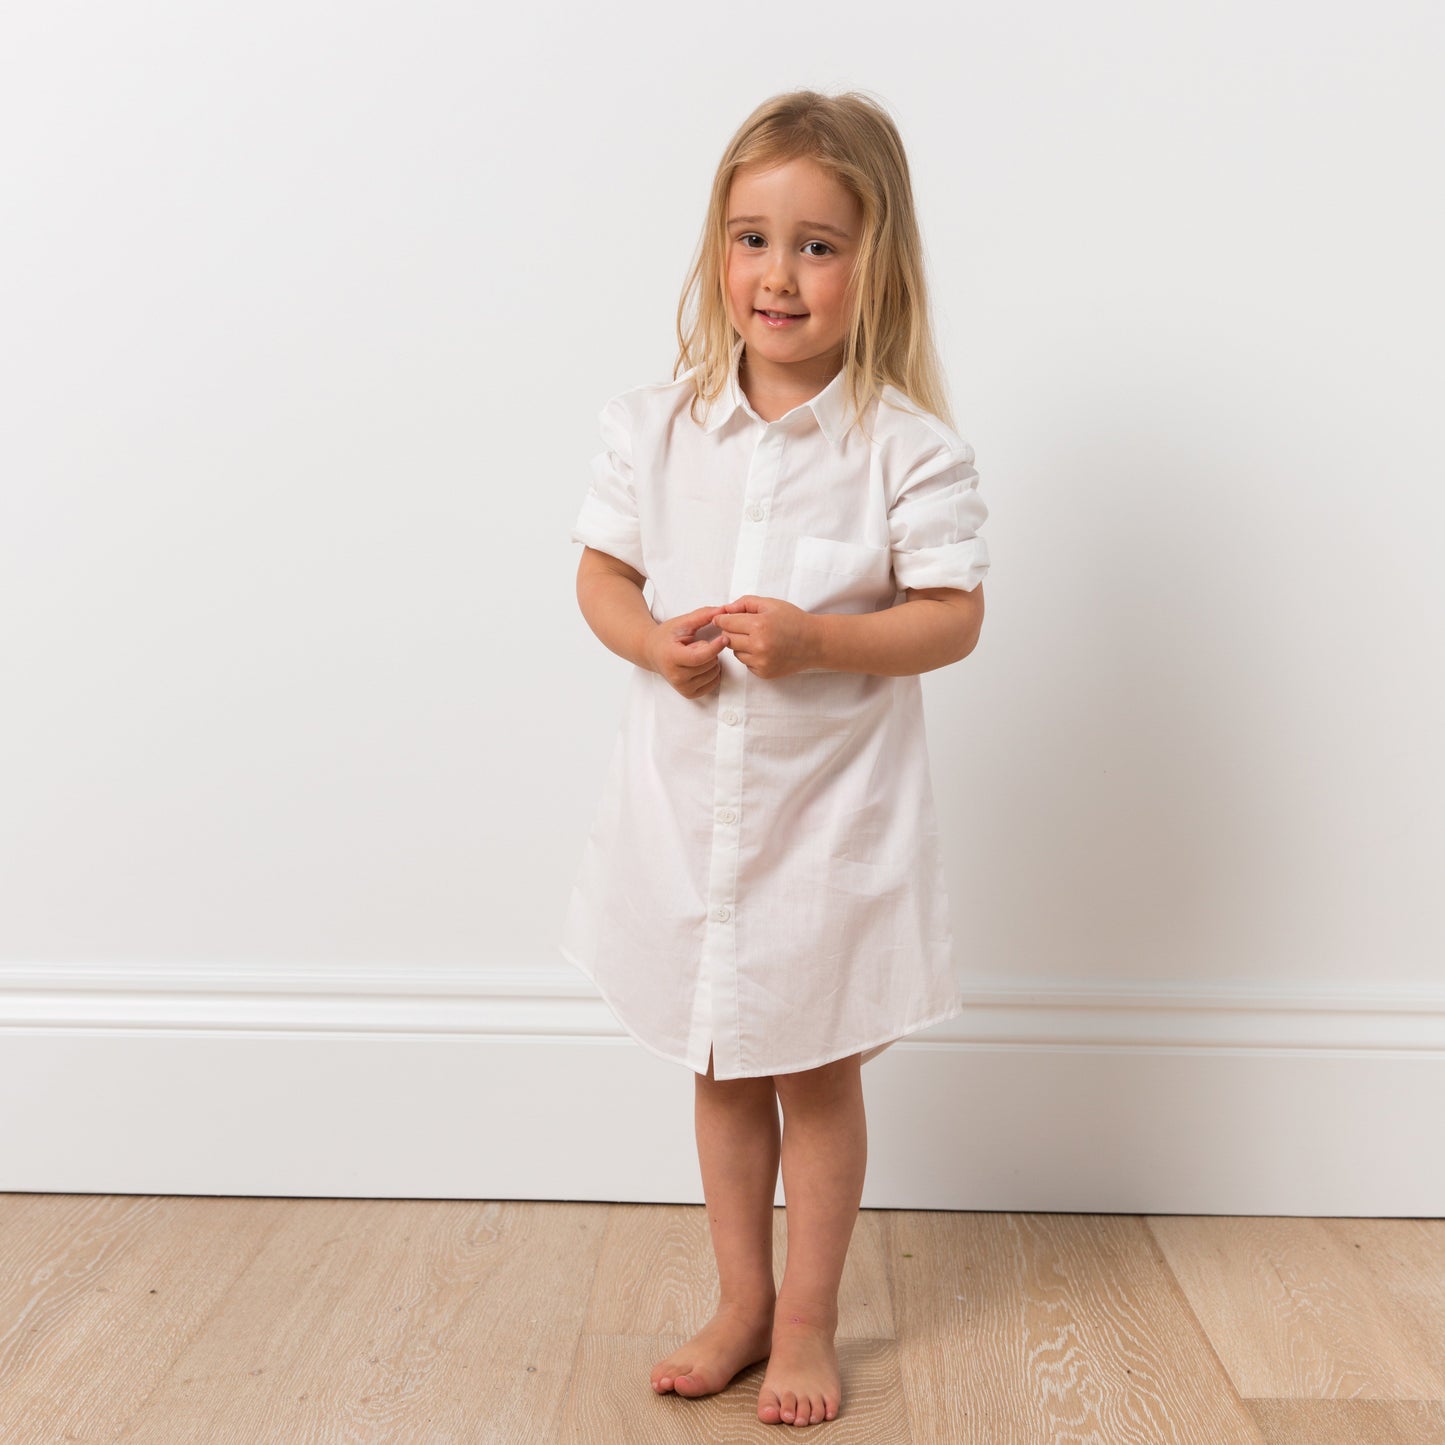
[{"x": 764, "y": 312}]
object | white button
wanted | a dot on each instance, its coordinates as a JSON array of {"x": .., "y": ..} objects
[
  {"x": 725, "y": 815},
  {"x": 730, "y": 716},
  {"x": 756, "y": 513},
  {"x": 720, "y": 914}
]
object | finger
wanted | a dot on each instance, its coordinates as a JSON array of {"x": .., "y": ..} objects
[
  {"x": 699, "y": 667},
  {"x": 692, "y": 623},
  {"x": 701, "y": 650},
  {"x": 687, "y": 624},
  {"x": 701, "y": 683}
]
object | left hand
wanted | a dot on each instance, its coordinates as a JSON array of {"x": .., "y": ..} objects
[{"x": 770, "y": 637}]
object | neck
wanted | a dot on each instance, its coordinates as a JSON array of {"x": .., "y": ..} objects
[{"x": 801, "y": 381}]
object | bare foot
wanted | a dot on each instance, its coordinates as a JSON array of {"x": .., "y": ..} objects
[
  {"x": 802, "y": 1385},
  {"x": 729, "y": 1342}
]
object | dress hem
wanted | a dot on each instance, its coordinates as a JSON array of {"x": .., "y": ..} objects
[{"x": 896, "y": 1035}]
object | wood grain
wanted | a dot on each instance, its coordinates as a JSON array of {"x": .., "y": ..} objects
[
  {"x": 158, "y": 1319},
  {"x": 1295, "y": 1311},
  {"x": 1051, "y": 1327},
  {"x": 1349, "y": 1422}
]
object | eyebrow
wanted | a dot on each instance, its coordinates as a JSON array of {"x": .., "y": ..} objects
[{"x": 805, "y": 225}]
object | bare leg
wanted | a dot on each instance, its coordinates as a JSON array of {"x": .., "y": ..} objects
[
  {"x": 738, "y": 1147},
  {"x": 825, "y": 1158}
]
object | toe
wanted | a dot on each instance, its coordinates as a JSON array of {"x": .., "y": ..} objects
[
  {"x": 665, "y": 1376},
  {"x": 769, "y": 1407},
  {"x": 789, "y": 1402}
]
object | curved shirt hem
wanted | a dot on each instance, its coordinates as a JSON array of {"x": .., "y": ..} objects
[
  {"x": 620, "y": 1017},
  {"x": 875, "y": 1045}
]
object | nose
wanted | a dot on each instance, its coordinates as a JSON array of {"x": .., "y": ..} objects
[{"x": 779, "y": 274}]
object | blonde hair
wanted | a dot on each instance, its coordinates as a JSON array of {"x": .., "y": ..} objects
[{"x": 889, "y": 339}]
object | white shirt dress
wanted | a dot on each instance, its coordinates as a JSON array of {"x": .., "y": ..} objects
[{"x": 763, "y": 875}]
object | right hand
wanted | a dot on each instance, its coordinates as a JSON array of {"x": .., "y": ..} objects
[{"x": 690, "y": 665}]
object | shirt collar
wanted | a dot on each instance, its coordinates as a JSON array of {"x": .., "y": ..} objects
[{"x": 828, "y": 406}]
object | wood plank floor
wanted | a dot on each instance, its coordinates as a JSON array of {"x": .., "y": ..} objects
[{"x": 205, "y": 1320}]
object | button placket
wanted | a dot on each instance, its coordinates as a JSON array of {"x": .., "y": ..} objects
[{"x": 715, "y": 1020}]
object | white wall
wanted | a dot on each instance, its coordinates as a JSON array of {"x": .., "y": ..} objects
[{"x": 307, "y": 314}]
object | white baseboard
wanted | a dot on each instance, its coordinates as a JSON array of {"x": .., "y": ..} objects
[{"x": 397, "y": 1082}]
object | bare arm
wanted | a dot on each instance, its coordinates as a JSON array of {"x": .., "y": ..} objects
[
  {"x": 934, "y": 627},
  {"x": 774, "y": 638},
  {"x": 609, "y": 592}
]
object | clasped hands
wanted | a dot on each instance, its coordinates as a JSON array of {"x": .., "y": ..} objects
[{"x": 770, "y": 637}]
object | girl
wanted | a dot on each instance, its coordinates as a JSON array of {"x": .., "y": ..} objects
[{"x": 761, "y": 897}]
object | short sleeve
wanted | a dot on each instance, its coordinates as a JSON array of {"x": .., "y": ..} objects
[
  {"x": 934, "y": 521},
  {"x": 608, "y": 520}
]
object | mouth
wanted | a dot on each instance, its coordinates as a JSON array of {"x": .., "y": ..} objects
[{"x": 780, "y": 318}]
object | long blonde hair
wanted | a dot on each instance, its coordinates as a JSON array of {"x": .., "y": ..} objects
[{"x": 889, "y": 339}]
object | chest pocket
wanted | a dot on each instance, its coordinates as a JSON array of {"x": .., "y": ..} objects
[{"x": 831, "y": 576}]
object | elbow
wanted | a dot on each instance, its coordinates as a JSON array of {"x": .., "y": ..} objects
[
  {"x": 969, "y": 643},
  {"x": 969, "y": 634},
  {"x": 963, "y": 608},
  {"x": 960, "y": 643}
]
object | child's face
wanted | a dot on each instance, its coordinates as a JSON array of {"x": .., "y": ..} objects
[{"x": 783, "y": 256}]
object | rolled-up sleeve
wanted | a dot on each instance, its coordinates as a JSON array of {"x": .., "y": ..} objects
[
  {"x": 608, "y": 520},
  {"x": 934, "y": 521}
]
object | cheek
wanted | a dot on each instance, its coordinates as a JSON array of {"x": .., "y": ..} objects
[
  {"x": 833, "y": 296},
  {"x": 735, "y": 305}
]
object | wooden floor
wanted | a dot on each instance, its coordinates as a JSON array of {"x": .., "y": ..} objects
[{"x": 204, "y": 1320}]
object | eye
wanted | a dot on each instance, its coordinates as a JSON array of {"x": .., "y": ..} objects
[
  {"x": 744, "y": 238},
  {"x": 823, "y": 244}
]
